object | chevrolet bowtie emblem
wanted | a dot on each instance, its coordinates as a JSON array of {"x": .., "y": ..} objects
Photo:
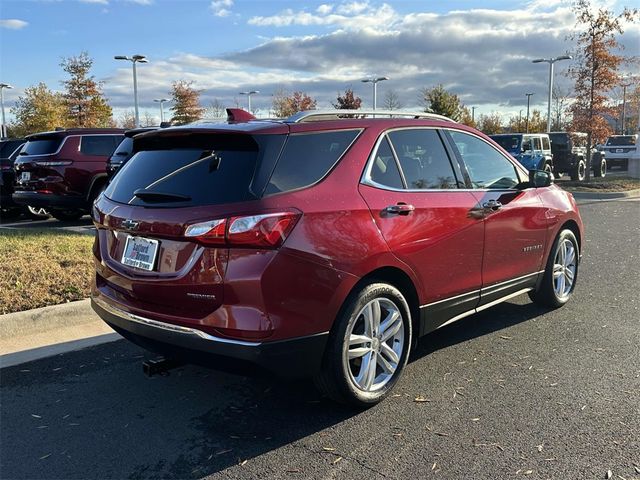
[{"x": 130, "y": 224}]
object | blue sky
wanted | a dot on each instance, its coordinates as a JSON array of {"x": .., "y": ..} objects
[{"x": 481, "y": 51}]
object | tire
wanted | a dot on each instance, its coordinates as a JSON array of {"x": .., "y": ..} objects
[
  {"x": 579, "y": 173},
  {"x": 36, "y": 213},
  {"x": 548, "y": 168},
  {"x": 600, "y": 170},
  {"x": 10, "y": 213},
  {"x": 554, "y": 291},
  {"x": 67, "y": 215},
  {"x": 347, "y": 380}
]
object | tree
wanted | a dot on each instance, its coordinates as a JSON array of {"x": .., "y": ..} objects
[
  {"x": 83, "y": 97},
  {"x": 285, "y": 105},
  {"x": 348, "y": 101},
  {"x": 490, "y": 124},
  {"x": 559, "y": 107},
  {"x": 516, "y": 124},
  {"x": 127, "y": 119},
  {"x": 149, "y": 120},
  {"x": 596, "y": 69},
  {"x": 215, "y": 109},
  {"x": 438, "y": 100},
  {"x": 537, "y": 123},
  {"x": 186, "y": 103},
  {"x": 392, "y": 101},
  {"x": 38, "y": 110},
  {"x": 466, "y": 117}
]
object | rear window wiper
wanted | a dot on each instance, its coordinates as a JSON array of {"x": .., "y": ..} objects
[{"x": 155, "y": 196}]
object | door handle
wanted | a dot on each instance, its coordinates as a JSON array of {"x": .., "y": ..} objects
[
  {"x": 492, "y": 205},
  {"x": 399, "y": 209}
]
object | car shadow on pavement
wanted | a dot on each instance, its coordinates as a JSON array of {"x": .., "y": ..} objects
[{"x": 92, "y": 413}]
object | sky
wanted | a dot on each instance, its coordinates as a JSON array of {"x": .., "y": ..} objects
[{"x": 481, "y": 51}]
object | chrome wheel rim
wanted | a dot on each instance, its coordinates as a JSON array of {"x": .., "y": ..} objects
[
  {"x": 38, "y": 211},
  {"x": 564, "y": 269},
  {"x": 373, "y": 345},
  {"x": 603, "y": 169},
  {"x": 581, "y": 171}
]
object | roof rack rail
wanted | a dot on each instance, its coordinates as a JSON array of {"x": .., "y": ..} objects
[{"x": 319, "y": 115}]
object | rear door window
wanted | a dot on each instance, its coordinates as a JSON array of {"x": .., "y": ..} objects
[
  {"x": 123, "y": 150},
  {"x": 307, "y": 158},
  {"x": 384, "y": 169},
  {"x": 423, "y": 159},
  {"x": 98, "y": 145},
  {"x": 545, "y": 144},
  {"x": 42, "y": 146},
  {"x": 190, "y": 170}
]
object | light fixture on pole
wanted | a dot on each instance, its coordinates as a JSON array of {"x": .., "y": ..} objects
[
  {"x": 550, "y": 61},
  {"x": 3, "y": 130},
  {"x": 248, "y": 94},
  {"x": 134, "y": 59},
  {"x": 528, "y": 100},
  {"x": 375, "y": 81},
  {"x": 161, "y": 102}
]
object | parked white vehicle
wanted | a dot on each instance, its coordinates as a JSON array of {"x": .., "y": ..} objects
[{"x": 620, "y": 148}]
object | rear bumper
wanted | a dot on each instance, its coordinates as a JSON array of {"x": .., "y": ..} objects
[
  {"x": 47, "y": 200},
  {"x": 298, "y": 357}
]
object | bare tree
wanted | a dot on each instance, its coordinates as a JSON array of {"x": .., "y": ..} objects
[
  {"x": 392, "y": 101},
  {"x": 127, "y": 119},
  {"x": 559, "y": 107},
  {"x": 215, "y": 109}
]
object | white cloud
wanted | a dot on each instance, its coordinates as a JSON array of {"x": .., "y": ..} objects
[
  {"x": 13, "y": 24},
  {"x": 101, "y": 2},
  {"x": 221, "y": 8},
  {"x": 141, "y": 2},
  {"x": 324, "y": 9}
]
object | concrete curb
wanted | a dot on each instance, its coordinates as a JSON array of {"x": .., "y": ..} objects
[
  {"x": 42, "y": 319},
  {"x": 605, "y": 195}
]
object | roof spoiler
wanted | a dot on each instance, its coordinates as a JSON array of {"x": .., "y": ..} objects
[{"x": 238, "y": 115}]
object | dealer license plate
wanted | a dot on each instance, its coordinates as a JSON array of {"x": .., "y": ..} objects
[
  {"x": 140, "y": 253},
  {"x": 25, "y": 176}
]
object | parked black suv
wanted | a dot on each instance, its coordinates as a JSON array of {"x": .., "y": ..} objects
[
  {"x": 124, "y": 151},
  {"x": 65, "y": 170},
  {"x": 570, "y": 156},
  {"x": 9, "y": 150}
]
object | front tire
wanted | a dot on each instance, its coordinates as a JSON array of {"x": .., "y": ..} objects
[
  {"x": 368, "y": 346},
  {"x": 579, "y": 173},
  {"x": 561, "y": 272}
]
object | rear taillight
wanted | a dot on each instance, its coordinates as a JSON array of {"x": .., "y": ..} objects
[
  {"x": 268, "y": 230},
  {"x": 59, "y": 163}
]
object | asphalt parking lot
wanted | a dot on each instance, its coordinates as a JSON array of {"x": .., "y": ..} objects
[{"x": 516, "y": 391}]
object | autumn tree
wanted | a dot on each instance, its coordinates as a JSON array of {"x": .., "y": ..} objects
[
  {"x": 537, "y": 123},
  {"x": 516, "y": 124},
  {"x": 440, "y": 101},
  {"x": 285, "y": 105},
  {"x": 83, "y": 97},
  {"x": 186, "y": 103},
  {"x": 596, "y": 68},
  {"x": 348, "y": 101},
  {"x": 38, "y": 110},
  {"x": 490, "y": 124},
  {"x": 127, "y": 119},
  {"x": 392, "y": 101},
  {"x": 466, "y": 117}
]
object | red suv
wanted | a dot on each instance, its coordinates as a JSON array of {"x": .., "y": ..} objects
[
  {"x": 321, "y": 245},
  {"x": 65, "y": 170}
]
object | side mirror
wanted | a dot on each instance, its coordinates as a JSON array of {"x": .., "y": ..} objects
[{"x": 540, "y": 178}]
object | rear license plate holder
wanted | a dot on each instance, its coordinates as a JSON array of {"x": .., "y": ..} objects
[{"x": 140, "y": 253}]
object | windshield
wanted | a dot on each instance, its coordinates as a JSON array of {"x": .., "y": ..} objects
[
  {"x": 622, "y": 140},
  {"x": 44, "y": 146},
  {"x": 508, "y": 142}
]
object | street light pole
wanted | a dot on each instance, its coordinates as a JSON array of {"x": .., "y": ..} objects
[
  {"x": 528, "y": 100},
  {"x": 134, "y": 59},
  {"x": 3, "y": 130},
  {"x": 248, "y": 94},
  {"x": 375, "y": 81},
  {"x": 473, "y": 114},
  {"x": 161, "y": 102},
  {"x": 624, "y": 108},
  {"x": 550, "y": 61}
]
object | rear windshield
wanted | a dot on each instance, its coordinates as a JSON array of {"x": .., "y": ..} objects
[
  {"x": 559, "y": 139},
  {"x": 626, "y": 140},
  {"x": 191, "y": 170},
  {"x": 123, "y": 150},
  {"x": 44, "y": 146},
  {"x": 508, "y": 142}
]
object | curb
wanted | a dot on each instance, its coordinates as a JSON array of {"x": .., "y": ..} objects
[
  {"x": 42, "y": 319},
  {"x": 605, "y": 195}
]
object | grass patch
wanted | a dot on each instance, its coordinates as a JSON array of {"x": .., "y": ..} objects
[
  {"x": 41, "y": 268},
  {"x": 606, "y": 184}
]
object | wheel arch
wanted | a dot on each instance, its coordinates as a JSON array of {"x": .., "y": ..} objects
[
  {"x": 98, "y": 181},
  {"x": 573, "y": 226}
]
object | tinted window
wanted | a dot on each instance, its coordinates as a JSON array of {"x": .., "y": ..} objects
[
  {"x": 123, "y": 150},
  {"x": 545, "y": 144},
  {"x": 423, "y": 159},
  {"x": 526, "y": 144},
  {"x": 307, "y": 158},
  {"x": 626, "y": 140},
  {"x": 206, "y": 169},
  {"x": 487, "y": 167},
  {"x": 8, "y": 147},
  {"x": 99, "y": 145},
  {"x": 559, "y": 140},
  {"x": 384, "y": 169},
  {"x": 44, "y": 146},
  {"x": 508, "y": 142}
]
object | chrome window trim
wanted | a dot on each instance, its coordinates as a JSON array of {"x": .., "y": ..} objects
[{"x": 365, "y": 179}]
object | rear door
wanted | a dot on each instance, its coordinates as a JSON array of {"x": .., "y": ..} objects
[
  {"x": 515, "y": 220},
  {"x": 415, "y": 191}
]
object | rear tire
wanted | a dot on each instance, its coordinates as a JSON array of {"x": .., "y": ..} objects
[
  {"x": 561, "y": 272},
  {"x": 579, "y": 172},
  {"x": 600, "y": 170},
  {"x": 368, "y": 346},
  {"x": 67, "y": 215}
]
